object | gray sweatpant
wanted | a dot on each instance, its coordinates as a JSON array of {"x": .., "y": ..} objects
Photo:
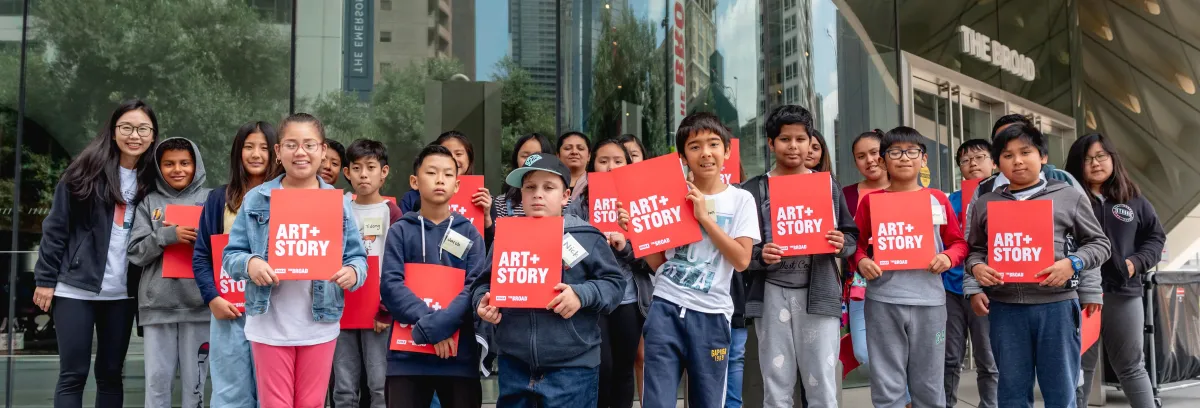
[
  {"x": 907, "y": 345},
  {"x": 356, "y": 348},
  {"x": 172, "y": 346},
  {"x": 961, "y": 321},
  {"x": 1121, "y": 324},
  {"x": 791, "y": 342}
]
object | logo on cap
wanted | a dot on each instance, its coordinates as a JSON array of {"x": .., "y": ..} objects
[{"x": 532, "y": 159}]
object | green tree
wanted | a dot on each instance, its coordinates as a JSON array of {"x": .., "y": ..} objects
[
  {"x": 624, "y": 70},
  {"x": 522, "y": 111}
]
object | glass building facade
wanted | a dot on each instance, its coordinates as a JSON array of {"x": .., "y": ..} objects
[{"x": 402, "y": 71}]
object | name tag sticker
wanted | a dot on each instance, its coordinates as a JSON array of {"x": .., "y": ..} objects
[
  {"x": 939, "y": 214},
  {"x": 711, "y": 206},
  {"x": 456, "y": 244},
  {"x": 572, "y": 252},
  {"x": 372, "y": 226}
]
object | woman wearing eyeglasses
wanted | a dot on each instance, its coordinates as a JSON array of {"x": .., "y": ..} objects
[
  {"x": 1137, "y": 240},
  {"x": 81, "y": 268}
]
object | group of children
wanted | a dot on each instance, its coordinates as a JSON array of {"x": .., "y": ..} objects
[{"x": 617, "y": 320}]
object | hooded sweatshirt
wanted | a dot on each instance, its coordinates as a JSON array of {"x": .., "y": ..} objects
[
  {"x": 163, "y": 300},
  {"x": 415, "y": 239},
  {"x": 543, "y": 339},
  {"x": 1072, "y": 215}
]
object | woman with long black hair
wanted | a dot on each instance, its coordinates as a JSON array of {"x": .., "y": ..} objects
[
  {"x": 1137, "y": 240},
  {"x": 508, "y": 203},
  {"x": 89, "y": 221}
]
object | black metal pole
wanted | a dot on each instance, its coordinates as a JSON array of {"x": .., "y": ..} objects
[
  {"x": 558, "y": 69},
  {"x": 292, "y": 76},
  {"x": 16, "y": 207}
]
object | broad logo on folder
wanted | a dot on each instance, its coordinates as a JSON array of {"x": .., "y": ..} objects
[
  {"x": 229, "y": 289},
  {"x": 653, "y": 192},
  {"x": 902, "y": 230},
  {"x": 306, "y": 233},
  {"x": 801, "y": 213},
  {"x": 1020, "y": 239},
  {"x": 527, "y": 261}
]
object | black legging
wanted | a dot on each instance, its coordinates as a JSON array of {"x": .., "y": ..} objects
[
  {"x": 620, "y": 332},
  {"x": 74, "y": 321}
]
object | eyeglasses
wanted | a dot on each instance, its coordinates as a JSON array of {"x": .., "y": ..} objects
[
  {"x": 1099, "y": 158},
  {"x": 913, "y": 153},
  {"x": 125, "y": 129},
  {"x": 310, "y": 147},
  {"x": 976, "y": 158}
]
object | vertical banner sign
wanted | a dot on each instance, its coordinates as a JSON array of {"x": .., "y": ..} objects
[
  {"x": 1020, "y": 239},
  {"x": 527, "y": 261},
  {"x": 602, "y": 201},
  {"x": 177, "y": 258},
  {"x": 461, "y": 203},
  {"x": 731, "y": 171},
  {"x": 362, "y": 305},
  {"x": 229, "y": 289},
  {"x": 678, "y": 105},
  {"x": 968, "y": 191},
  {"x": 306, "y": 233},
  {"x": 802, "y": 212},
  {"x": 653, "y": 192},
  {"x": 902, "y": 227},
  {"x": 358, "y": 47},
  {"x": 437, "y": 285}
]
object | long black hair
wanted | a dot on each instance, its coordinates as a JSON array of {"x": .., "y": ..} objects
[
  {"x": 94, "y": 175},
  {"x": 591, "y": 166},
  {"x": 823, "y": 163},
  {"x": 629, "y": 137},
  {"x": 515, "y": 159},
  {"x": 461, "y": 138},
  {"x": 239, "y": 179},
  {"x": 1119, "y": 187}
]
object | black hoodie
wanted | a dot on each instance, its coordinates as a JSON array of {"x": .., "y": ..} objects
[{"x": 1136, "y": 235}]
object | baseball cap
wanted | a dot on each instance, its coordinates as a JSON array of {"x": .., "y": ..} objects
[{"x": 539, "y": 162}]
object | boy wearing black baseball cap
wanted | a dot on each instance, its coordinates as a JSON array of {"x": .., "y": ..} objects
[{"x": 551, "y": 356}]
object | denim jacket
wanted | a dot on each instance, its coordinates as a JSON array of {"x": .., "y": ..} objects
[{"x": 248, "y": 239}]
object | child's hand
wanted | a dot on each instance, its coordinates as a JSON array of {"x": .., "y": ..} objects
[
  {"x": 483, "y": 199},
  {"x": 986, "y": 275},
  {"x": 980, "y": 304},
  {"x": 617, "y": 241},
  {"x": 1130, "y": 267},
  {"x": 837, "y": 239},
  {"x": 869, "y": 269},
  {"x": 486, "y": 311},
  {"x": 345, "y": 277},
  {"x": 182, "y": 233},
  {"x": 699, "y": 203},
  {"x": 380, "y": 326},
  {"x": 261, "y": 273},
  {"x": 566, "y": 303},
  {"x": 1059, "y": 273},
  {"x": 940, "y": 263},
  {"x": 223, "y": 309},
  {"x": 1092, "y": 308},
  {"x": 622, "y": 217},
  {"x": 772, "y": 253},
  {"x": 446, "y": 348}
]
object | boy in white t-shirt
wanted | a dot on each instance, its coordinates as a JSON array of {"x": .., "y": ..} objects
[
  {"x": 366, "y": 169},
  {"x": 688, "y": 325}
]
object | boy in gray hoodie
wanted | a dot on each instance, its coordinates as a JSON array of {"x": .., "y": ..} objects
[
  {"x": 1035, "y": 326},
  {"x": 171, "y": 311}
]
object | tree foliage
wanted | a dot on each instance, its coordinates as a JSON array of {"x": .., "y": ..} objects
[
  {"x": 522, "y": 109},
  {"x": 628, "y": 67}
]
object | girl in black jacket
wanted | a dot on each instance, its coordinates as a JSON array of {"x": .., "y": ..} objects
[
  {"x": 89, "y": 221},
  {"x": 1137, "y": 239}
]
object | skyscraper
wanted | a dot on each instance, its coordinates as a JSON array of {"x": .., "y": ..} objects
[
  {"x": 582, "y": 22},
  {"x": 533, "y": 37},
  {"x": 785, "y": 55}
]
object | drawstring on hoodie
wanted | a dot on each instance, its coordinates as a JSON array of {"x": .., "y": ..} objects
[{"x": 422, "y": 220}]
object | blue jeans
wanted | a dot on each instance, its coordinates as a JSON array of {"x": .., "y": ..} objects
[
  {"x": 1036, "y": 341},
  {"x": 524, "y": 387},
  {"x": 678, "y": 339},
  {"x": 858, "y": 331},
  {"x": 231, "y": 365},
  {"x": 737, "y": 364}
]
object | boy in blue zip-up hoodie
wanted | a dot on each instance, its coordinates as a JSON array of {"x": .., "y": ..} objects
[
  {"x": 419, "y": 237},
  {"x": 550, "y": 358}
]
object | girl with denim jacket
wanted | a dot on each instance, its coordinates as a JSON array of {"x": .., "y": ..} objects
[
  {"x": 292, "y": 325},
  {"x": 252, "y": 162}
]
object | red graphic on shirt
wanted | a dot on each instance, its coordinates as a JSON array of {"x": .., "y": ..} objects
[
  {"x": 902, "y": 226},
  {"x": 461, "y": 203},
  {"x": 802, "y": 212},
  {"x": 653, "y": 192},
  {"x": 229, "y": 289},
  {"x": 1020, "y": 239},
  {"x": 437, "y": 285},
  {"x": 177, "y": 258},
  {"x": 363, "y": 304},
  {"x": 527, "y": 261},
  {"x": 306, "y": 233}
]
